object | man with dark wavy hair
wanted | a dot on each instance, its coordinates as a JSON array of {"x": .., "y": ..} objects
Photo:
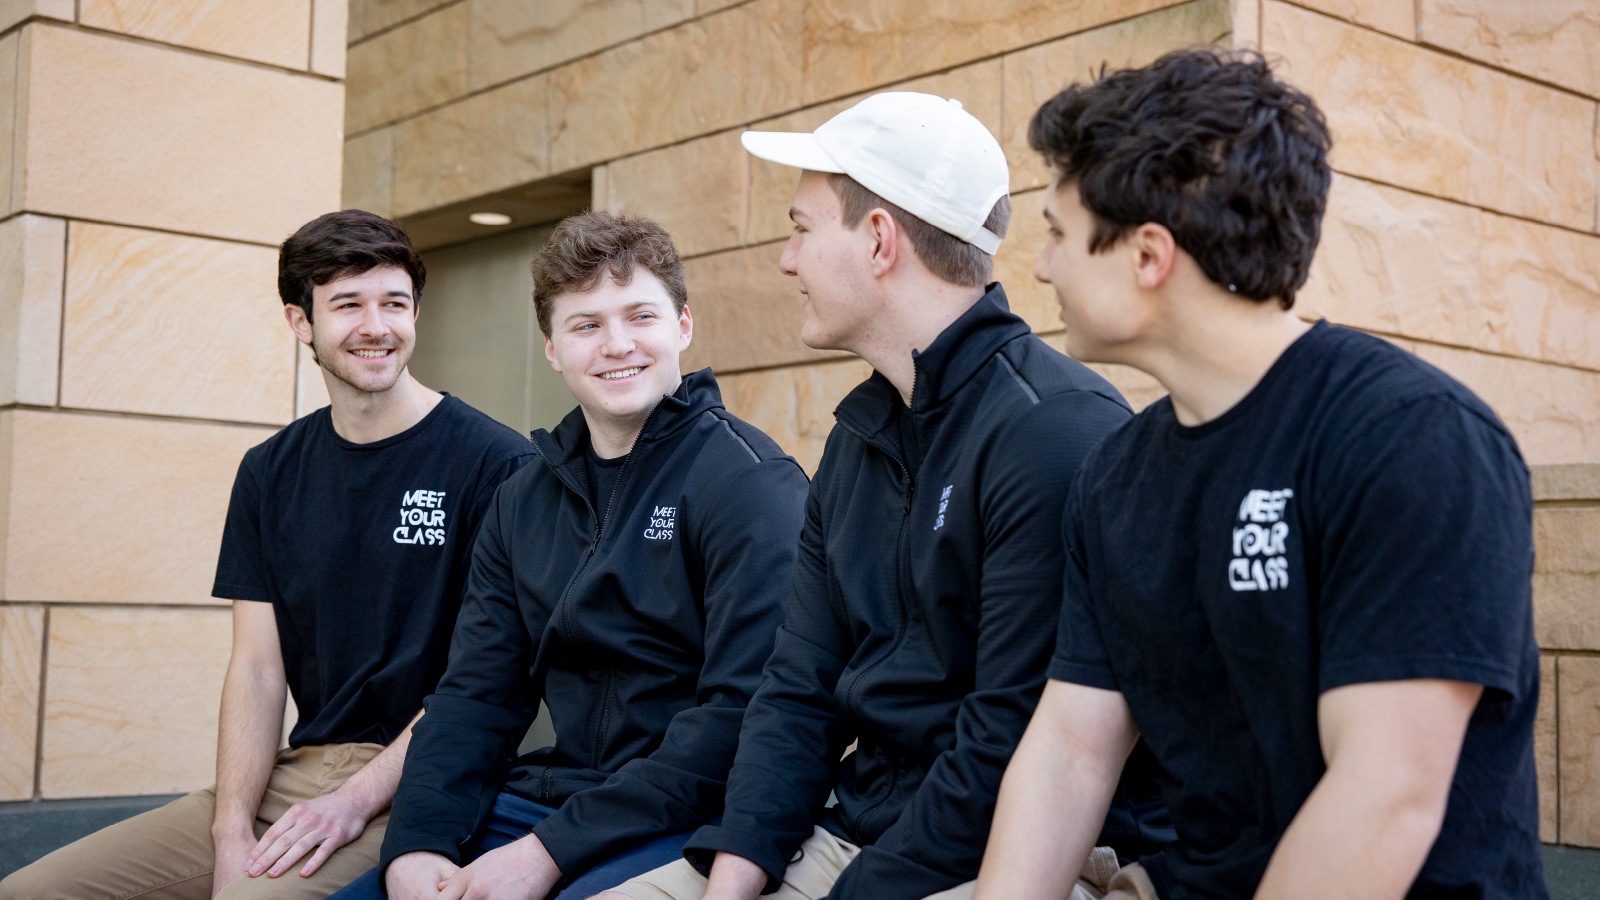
[
  {"x": 344, "y": 553},
  {"x": 1303, "y": 577}
]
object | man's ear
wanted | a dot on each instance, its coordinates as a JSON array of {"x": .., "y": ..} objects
[
  {"x": 298, "y": 323},
  {"x": 1154, "y": 251},
  {"x": 550, "y": 353},
  {"x": 685, "y": 329},
  {"x": 885, "y": 233}
]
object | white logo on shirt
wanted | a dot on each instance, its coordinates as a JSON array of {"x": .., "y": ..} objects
[
  {"x": 663, "y": 520},
  {"x": 421, "y": 519},
  {"x": 1260, "y": 543},
  {"x": 944, "y": 503}
]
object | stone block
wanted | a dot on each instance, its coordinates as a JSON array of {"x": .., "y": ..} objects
[
  {"x": 697, "y": 190},
  {"x": 1246, "y": 18},
  {"x": 142, "y": 530},
  {"x": 1139, "y": 389},
  {"x": 176, "y": 141},
  {"x": 416, "y": 66},
  {"x": 1402, "y": 263},
  {"x": 330, "y": 20},
  {"x": 368, "y": 17},
  {"x": 1566, "y": 577},
  {"x": 706, "y": 7},
  {"x": 369, "y": 172},
  {"x": 1036, "y": 74},
  {"x": 1419, "y": 119},
  {"x": 144, "y": 684},
  {"x": 772, "y": 186},
  {"x": 1578, "y": 705},
  {"x": 705, "y": 75},
  {"x": 497, "y": 139},
  {"x": 1571, "y": 481},
  {"x": 1553, "y": 40},
  {"x": 1544, "y": 752},
  {"x": 794, "y": 404},
  {"x": 1398, "y": 19},
  {"x": 855, "y": 45},
  {"x": 310, "y": 390},
  {"x": 510, "y": 38},
  {"x": 276, "y": 32},
  {"x": 747, "y": 313},
  {"x": 172, "y": 325},
  {"x": 14, "y": 11},
  {"x": 32, "y": 264},
  {"x": 21, "y": 655},
  {"x": 1549, "y": 408}
]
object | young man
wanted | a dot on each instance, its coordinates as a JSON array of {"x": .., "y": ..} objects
[
  {"x": 632, "y": 580},
  {"x": 1304, "y": 576},
  {"x": 929, "y": 572},
  {"x": 344, "y": 552}
]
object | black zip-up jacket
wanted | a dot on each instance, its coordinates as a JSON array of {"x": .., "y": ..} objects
[
  {"x": 644, "y": 637},
  {"x": 923, "y": 614}
]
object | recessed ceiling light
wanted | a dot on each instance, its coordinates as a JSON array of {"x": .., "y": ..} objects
[{"x": 489, "y": 218}]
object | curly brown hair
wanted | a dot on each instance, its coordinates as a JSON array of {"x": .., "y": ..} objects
[{"x": 589, "y": 243}]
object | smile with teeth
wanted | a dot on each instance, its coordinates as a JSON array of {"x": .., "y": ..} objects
[
  {"x": 621, "y": 373},
  {"x": 377, "y": 353}
]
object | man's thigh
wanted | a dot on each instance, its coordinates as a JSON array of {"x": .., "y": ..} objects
[
  {"x": 164, "y": 854},
  {"x": 822, "y": 859},
  {"x": 343, "y": 867}
]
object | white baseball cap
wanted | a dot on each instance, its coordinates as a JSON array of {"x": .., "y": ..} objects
[{"x": 920, "y": 152}]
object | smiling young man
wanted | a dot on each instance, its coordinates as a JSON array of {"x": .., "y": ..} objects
[
  {"x": 929, "y": 570},
  {"x": 344, "y": 551},
  {"x": 632, "y": 580},
  {"x": 1303, "y": 578}
]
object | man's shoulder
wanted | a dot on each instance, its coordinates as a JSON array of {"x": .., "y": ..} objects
[
  {"x": 289, "y": 441},
  {"x": 473, "y": 429},
  {"x": 741, "y": 439}
]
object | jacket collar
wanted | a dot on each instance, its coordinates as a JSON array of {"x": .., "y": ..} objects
[
  {"x": 957, "y": 354},
  {"x": 696, "y": 394}
]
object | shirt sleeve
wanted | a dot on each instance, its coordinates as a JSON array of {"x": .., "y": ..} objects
[
  {"x": 1426, "y": 552},
  {"x": 938, "y": 840},
  {"x": 747, "y": 544},
  {"x": 241, "y": 570},
  {"x": 1080, "y": 655}
]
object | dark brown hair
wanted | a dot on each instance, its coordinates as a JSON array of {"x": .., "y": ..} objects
[
  {"x": 1209, "y": 145},
  {"x": 948, "y": 257},
  {"x": 592, "y": 243},
  {"x": 340, "y": 244}
]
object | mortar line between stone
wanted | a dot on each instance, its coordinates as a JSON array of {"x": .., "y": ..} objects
[
  {"x": 150, "y": 417},
  {"x": 311, "y": 37},
  {"x": 1555, "y": 701},
  {"x": 155, "y": 228},
  {"x": 61, "y": 321},
  {"x": 395, "y": 26},
  {"x": 1459, "y": 202},
  {"x": 38, "y": 735},
  {"x": 183, "y": 48},
  {"x": 115, "y": 604}
]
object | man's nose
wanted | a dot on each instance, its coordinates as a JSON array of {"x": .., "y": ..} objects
[
  {"x": 617, "y": 341},
  {"x": 790, "y": 251}
]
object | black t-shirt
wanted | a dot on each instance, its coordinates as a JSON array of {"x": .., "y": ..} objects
[
  {"x": 362, "y": 551},
  {"x": 603, "y": 475},
  {"x": 1357, "y": 517}
]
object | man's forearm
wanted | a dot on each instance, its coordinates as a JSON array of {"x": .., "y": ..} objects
[
  {"x": 249, "y": 729},
  {"x": 372, "y": 788}
]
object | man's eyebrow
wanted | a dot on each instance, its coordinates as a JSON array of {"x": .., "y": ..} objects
[
  {"x": 345, "y": 295},
  {"x": 627, "y": 307}
]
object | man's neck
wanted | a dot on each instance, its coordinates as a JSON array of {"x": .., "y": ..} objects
[
  {"x": 913, "y": 316},
  {"x": 614, "y": 436},
  {"x": 1214, "y": 352},
  {"x": 361, "y": 417}
]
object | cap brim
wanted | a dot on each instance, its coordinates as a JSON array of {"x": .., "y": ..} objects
[{"x": 788, "y": 148}]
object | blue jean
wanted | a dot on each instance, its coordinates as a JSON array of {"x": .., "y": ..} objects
[{"x": 514, "y": 817}]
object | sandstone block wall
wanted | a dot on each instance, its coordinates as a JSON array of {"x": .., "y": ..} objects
[
  {"x": 157, "y": 152},
  {"x": 1462, "y": 222}
]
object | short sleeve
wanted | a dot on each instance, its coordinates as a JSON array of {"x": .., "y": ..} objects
[
  {"x": 1080, "y": 655},
  {"x": 1426, "y": 551},
  {"x": 241, "y": 570}
]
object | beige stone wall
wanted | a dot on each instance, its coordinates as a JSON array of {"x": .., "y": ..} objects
[{"x": 156, "y": 153}]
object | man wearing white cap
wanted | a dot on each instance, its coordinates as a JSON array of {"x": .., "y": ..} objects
[{"x": 929, "y": 574}]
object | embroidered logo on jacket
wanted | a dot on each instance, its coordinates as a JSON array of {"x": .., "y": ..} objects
[
  {"x": 1260, "y": 543},
  {"x": 421, "y": 519},
  {"x": 944, "y": 503},
  {"x": 663, "y": 521}
]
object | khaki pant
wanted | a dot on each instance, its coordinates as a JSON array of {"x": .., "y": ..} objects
[
  {"x": 166, "y": 853},
  {"x": 823, "y": 858}
]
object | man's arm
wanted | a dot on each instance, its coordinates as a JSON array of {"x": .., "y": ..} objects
[
  {"x": 1056, "y": 791},
  {"x": 1391, "y": 749},
  {"x": 334, "y": 819},
  {"x": 249, "y": 729}
]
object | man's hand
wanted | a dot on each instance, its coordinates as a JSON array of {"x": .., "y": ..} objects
[
  {"x": 521, "y": 870},
  {"x": 326, "y": 823},
  {"x": 232, "y": 852},
  {"x": 418, "y": 875},
  {"x": 734, "y": 878}
]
